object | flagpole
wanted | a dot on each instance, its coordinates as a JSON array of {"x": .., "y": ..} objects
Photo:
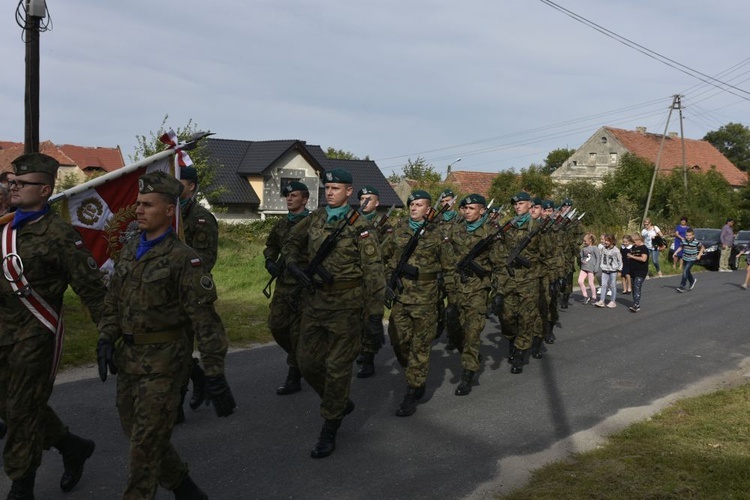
[{"x": 120, "y": 172}]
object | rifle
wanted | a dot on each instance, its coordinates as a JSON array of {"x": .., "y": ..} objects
[
  {"x": 467, "y": 266},
  {"x": 514, "y": 257},
  {"x": 381, "y": 223},
  {"x": 403, "y": 268},
  {"x": 315, "y": 266},
  {"x": 267, "y": 288}
]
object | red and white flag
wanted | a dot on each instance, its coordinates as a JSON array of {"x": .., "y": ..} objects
[{"x": 105, "y": 215}]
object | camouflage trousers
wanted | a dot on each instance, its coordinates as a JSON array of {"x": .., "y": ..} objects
[
  {"x": 284, "y": 321},
  {"x": 368, "y": 344},
  {"x": 548, "y": 297},
  {"x": 328, "y": 343},
  {"x": 412, "y": 339},
  {"x": 473, "y": 316},
  {"x": 521, "y": 317},
  {"x": 25, "y": 388},
  {"x": 147, "y": 405}
]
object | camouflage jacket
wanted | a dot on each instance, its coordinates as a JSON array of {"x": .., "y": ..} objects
[
  {"x": 201, "y": 232},
  {"x": 274, "y": 243},
  {"x": 462, "y": 241},
  {"x": 165, "y": 290},
  {"x": 433, "y": 256},
  {"x": 355, "y": 259},
  {"x": 53, "y": 257},
  {"x": 534, "y": 253}
]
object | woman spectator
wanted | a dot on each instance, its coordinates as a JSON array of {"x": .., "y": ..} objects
[
  {"x": 649, "y": 233},
  {"x": 680, "y": 231}
]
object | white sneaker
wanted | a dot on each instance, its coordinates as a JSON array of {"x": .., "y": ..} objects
[
  {"x": 743, "y": 286},
  {"x": 599, "y": 304},
  {"x": 695, "y": 280},
  {"x": 611, "y": 304}
]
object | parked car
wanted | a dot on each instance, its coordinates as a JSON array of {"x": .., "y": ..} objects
[
  {"x": 711, "y": 241},
  {"x": 741, "y": 240}
]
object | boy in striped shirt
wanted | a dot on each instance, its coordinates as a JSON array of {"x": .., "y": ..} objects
[{"x": 692, "y": 251}]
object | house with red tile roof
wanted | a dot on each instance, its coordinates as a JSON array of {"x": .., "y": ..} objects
[
  {"x": 82, "y": 161},
  {"x": 471, "y": 182},
  {"x": 600, "y": 155}
]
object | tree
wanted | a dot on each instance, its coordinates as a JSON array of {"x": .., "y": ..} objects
[
  {"x": 504, "y": 186},
  {"x": 535, "y": 181},
  {"x": 340, "y": 154},
  {"x": 555, "y": 159},
  {"x": 733, "y": 141},
  {"x": 420, "y": 171},
  {"x": 150, "y": 145}
]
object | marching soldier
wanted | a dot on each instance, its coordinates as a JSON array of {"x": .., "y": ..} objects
[
  {"x": 369, "y": 198},
  {"x": 519, "y": 286},
  {"x": 284, "y": 315},
  {"x": 41, "y": 256},
  {"x": 330, "y": 334},
  {"x": 546, "y": 271},
  {"x": 557, "y": 258},
  {"x": 470, "y": 298},
  {"x": 414, "y": 313},
  {"x": 202, "y": 235},
  {"x": 159, "y": 287},
  {"x": 446, "y": 222},
  {"x": 572, "y": 242}
]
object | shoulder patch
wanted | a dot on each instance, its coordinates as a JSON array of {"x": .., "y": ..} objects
[
  {"x": 196, "y": 262},
  {"x": 207, "y": 282},
  {"x": 92, "y": 263}
]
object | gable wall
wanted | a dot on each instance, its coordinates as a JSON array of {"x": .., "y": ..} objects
[
  {"x": 593, "y": 160},
  {"x": 291, "y": 166}
]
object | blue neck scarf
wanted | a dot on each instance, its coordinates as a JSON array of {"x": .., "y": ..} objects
[
  {"x": 415, "y": 225},
  {"x": 521, "y": 220},
  {"x": 145, "y": 245},
  {"x": 21, "y": 217},
  {"x": 371, "y": 215},
  {"x": 336, "y": 214},
  {"x": 297, "y": 217},
  {"x": 449, "y": 215},
  {"x": 473, "y": 226}
]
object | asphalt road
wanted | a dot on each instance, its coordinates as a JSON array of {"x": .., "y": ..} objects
[{"x": 605, "y": 361}]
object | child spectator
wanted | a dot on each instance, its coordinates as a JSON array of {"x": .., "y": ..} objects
[
  {"x": 589, "y": 265},
  {"x": 610, "y": 262},
  {"x": 679, "y": 232},
  {"x": 638, "y": 257},
  {"x": 692, "y": 251},
  {"x": 627, "y": 244}
]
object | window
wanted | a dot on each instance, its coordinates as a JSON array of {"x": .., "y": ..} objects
[
  {"x": 603, "y": 140},
  {"x": 613, "y": 158},
  {"x": 575, "y": 163},
  {"x": 592, "y": 159}
]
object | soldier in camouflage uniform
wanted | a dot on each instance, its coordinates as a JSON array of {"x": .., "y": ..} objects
[
  {"x": 369, "y": 349},
  {"x": 414, "y": 312},
  {"x": 471, "y": 291},
  {"x": 284, "y": 315},
  {"x": 520, "y": 315},
  {"x": 547, "y": 270},
  {"x": 557, "y": 257},
  {"x": 159, "y": 286},
  {"x": 445, "y": 224},
  {"x": 202, "y": 235},
  {"x": 572, "y": 245},
  {"x": 330, "y": 334},
  {"x": 52, "y": 256}
]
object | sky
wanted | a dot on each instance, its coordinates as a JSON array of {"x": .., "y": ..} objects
[{"x": 498, "y": 84}]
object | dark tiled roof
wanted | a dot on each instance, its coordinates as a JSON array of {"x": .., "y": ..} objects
[
  {"x": 227, "y": 156},
  {"x": 697, "y": 153},
  {"x": 261, "y": 154},
  {"x": 364, "y": 173}
]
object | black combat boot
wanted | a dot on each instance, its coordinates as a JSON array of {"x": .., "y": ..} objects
[
  {"x": 419, "y": 392},
  {"x": 549, "y": 335},
  {"x": 188, "y": 490},
  {"x": 536, "y": 348},
  {"x": 516, "y": 362},
  {"x": 75, "y": 451},
  {"x": 198, "y": 376},
  {"x": 3, "y": 429},
  {"x": 512, "y": 348},
  {"x": 292, "y": 382},
  {"x": 409, "y": 404},
  {"x": 22, "y": 489},
  {"x": 564, "y": 302},
  {"x": 464, "y": 387},
  {"x": 327, "y": 439},
  {"x": 368, "y": 366}
]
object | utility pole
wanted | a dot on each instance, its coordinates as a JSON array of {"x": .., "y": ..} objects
[
  {"x": 35, "y": 11},
  {"x": 682, "y": 139},
  {"x": 675, "y": 101}
]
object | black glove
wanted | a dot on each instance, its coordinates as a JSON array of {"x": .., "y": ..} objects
[
  {"x": 375, "y": 326},
  {"x": 219, "y": 393},
  {"x": 273, "y": 268},
  {"x": 105, "y": 351},
  {"x": 498, "y": 304},
  {"x": 300, "y": 275},
  {"x": 390, "y": 294}
]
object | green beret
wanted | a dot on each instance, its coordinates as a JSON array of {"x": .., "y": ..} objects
[
  {"x": 536, "y": 201},
  {"x": 294, "y": 186},
  {"x": 447, "y": 194},
  {"x": 522, "y": 196},
  {"x": 567, "y": 202},
  {"x": 368, "y": 190},
  {"x": 547, "y": 204},
  {"x": 418, "y": 195},
  {"x": 472, "y": 199},
  {"x": 159, "y": 182},
  {"x": 337, "y": 176},
  {"x": 35, "y": 162},
  {"x": 189, "y": 174}
]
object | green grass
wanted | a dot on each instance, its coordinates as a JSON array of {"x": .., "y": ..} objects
[{"x": 697, "y": 448}]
